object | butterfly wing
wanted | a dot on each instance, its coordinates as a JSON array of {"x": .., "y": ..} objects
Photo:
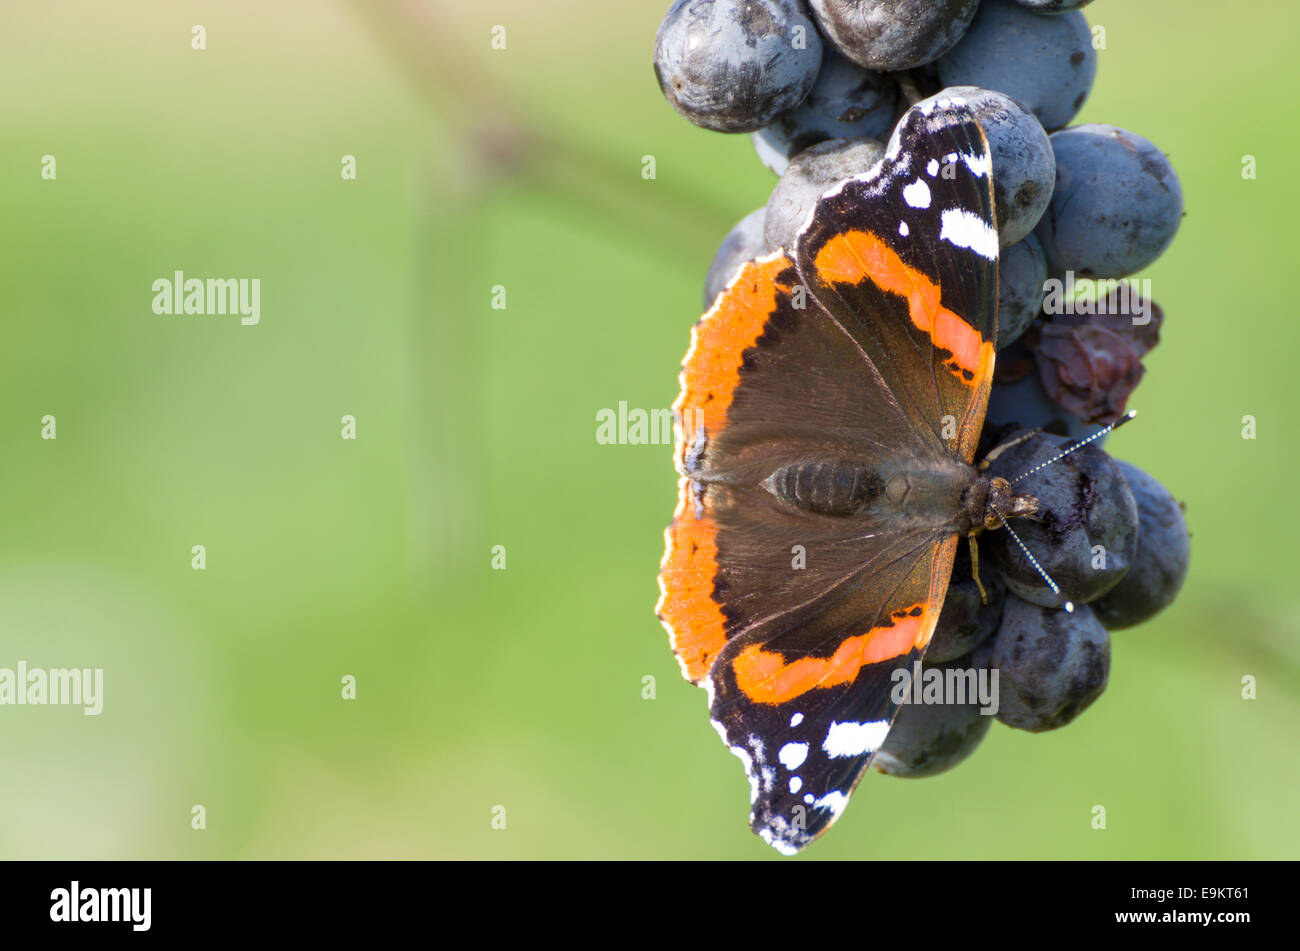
[
  {"x": 792, "y": 613},
  {"x": 766, "y": 383},
  {"x": 906, "y": 258}
]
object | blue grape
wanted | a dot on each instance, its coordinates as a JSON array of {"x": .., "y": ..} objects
[
  {"x": 810, "y": 175},
  {"x": 1053, "y": 6},
  {"x": 893, "y": 34},
  {"x": 743, "y": 243},
  {"x": 1085, "y": 533},
  {"x": 1045, "y": 63},
  {"x": 1022, "y": 269},
  {"x": 1022, "y": 403},
  {"x": 1160, "y": 565},
  {"x": 1051, "y": 664},
  {"x": 1117, "y": 203},
  {"x": 846, "y": 102},
  {"x": 929, "y": 738},
  {"x": 734, "y": 65},
  {"x": 966, "y": 621}
]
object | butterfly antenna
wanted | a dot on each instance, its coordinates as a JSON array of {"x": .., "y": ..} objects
[
  {"x": 1068, "y": 605},
  {"x": 1104, "y": 431}
]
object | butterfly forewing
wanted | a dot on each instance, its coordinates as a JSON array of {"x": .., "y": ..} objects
[{"x": 906, "y": 258}]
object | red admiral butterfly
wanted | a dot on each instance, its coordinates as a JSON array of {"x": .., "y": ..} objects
[{"x": 831, "y": 406}]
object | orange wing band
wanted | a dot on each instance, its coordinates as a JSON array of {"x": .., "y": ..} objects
[
  {"x": 848, "y": 257},
  {"x": 711, "y": 371},
  {"x": 766, "y": 677},
  {"x": 695, "y": 622},
  {"x": 710, "y": 375}
]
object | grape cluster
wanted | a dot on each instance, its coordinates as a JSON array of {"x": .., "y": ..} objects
[{"x": 821, "y": 85}]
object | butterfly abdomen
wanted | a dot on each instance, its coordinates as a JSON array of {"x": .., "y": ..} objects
[{"x": 827, "y": 487}]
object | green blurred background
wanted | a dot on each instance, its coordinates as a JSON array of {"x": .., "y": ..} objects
[{"x": 522, "y": 688}]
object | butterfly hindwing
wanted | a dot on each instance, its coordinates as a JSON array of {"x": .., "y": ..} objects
[{"x": 806, "y": 710}]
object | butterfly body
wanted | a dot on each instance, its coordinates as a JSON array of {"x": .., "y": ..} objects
[{"x": 831, "y": 406}]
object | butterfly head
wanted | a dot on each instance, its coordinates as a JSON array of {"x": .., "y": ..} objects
[{"x": 1002, "y": 503}]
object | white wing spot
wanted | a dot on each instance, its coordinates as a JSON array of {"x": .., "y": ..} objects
[
  {"x": 854, "y": 739},
  {"x": 932, "y": 169},
  {"x": 917, "y": 194},
  {"x": 903, "y": 229},
  {"x": 835, "y": 801},
  {"x": 979, "y": 165},
  {"x": 772, "y": 838},
  {"x": 792, "y": 755},
  {"x": 796, "y": 719},
  {"x": 968, "y": 230},
  {"x": 796, "y": 784}
]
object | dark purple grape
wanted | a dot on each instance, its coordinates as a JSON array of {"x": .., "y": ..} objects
[
  {"x": 1085, "y": 533},
  {"x": 1116, "y": 206},
  {"x": 893, "y": 34},
  {"x": 1047, "y": 64},
  {"x": 1160, "y": 565},
  {"x": 846, "y": 102},
  {"x": 811, "y": 173},
  {"x": 1090, "y": 363},
  {"x": 735, "y": 65},
  {"x": 743, "y": 243},
  {"x": 1051, "y": 664}
]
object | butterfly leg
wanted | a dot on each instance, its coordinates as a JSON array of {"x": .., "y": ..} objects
[
  {"x": 1010, "y": 443},
  {"x": 975, "y": 569}
]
